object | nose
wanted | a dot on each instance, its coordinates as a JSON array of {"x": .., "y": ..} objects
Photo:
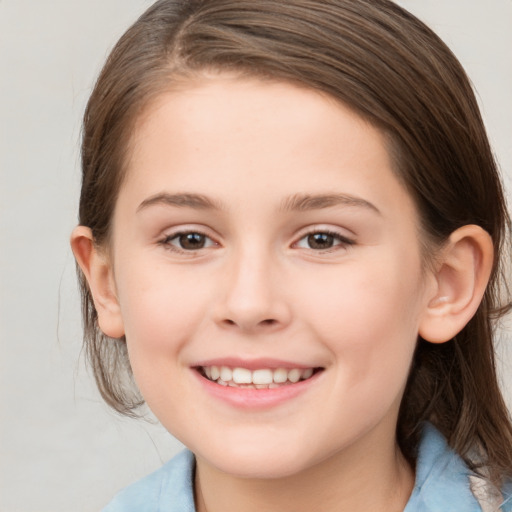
[{"x": 252, "y": 297}]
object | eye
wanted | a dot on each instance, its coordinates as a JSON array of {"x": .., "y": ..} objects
[
  {"x": 323, "y": 240},
  {"x": 188, "y": 241}
]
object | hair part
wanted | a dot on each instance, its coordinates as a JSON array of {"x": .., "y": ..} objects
[{"x": 390, "y": 68}]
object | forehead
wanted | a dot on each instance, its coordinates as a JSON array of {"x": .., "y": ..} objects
[
  {"x": 232, "y": 137},
  {"x": 214, "y": 106}
]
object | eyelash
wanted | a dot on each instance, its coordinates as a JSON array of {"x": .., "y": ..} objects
[
  {"x": 166, "y": 241},
  {"x": 343, "y": 242}
]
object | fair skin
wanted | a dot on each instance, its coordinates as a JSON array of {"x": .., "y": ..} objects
[{"x": 261, "y": 227}]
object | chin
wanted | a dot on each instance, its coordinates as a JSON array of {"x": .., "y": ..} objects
[
  {"x": 256, "y": 461},
  {"x": 260, "y": 468}
]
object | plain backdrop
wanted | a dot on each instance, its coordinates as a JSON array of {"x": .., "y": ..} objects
[{"x": 61, "y": 449}]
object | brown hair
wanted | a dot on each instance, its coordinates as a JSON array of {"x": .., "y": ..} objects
[{"x": 394, "y": 71}]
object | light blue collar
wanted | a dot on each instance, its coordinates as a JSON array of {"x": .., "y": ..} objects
[
  {"x": 442, "y": 484},
  {"x": 442, "y": 478}
]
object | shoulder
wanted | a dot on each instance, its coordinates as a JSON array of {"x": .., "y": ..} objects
[
  {"x": 507, "y": 496},
  {"x": 169, "y": 489},
  {"x": 444, "y": 482}
]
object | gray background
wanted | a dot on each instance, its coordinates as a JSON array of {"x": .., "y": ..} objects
[{"x": 61, "y": 449}]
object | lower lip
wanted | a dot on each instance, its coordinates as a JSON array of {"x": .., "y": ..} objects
[{"x": 248, "y": 398}]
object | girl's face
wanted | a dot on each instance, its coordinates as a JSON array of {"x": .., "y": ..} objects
[{"x": 262, "y": 234}]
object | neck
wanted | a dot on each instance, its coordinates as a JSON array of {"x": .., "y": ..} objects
[{"x": 380, "y": 481}]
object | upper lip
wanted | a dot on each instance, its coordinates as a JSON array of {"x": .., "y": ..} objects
[{"x": 253, "y": 364}]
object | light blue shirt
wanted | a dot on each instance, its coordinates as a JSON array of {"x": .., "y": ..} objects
[{"x": 442, "y": 484}]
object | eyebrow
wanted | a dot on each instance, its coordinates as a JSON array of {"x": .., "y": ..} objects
[
  {"x": 296, "y": 202},
  {"x": 305, "y": 202},
  {"x": 196, "y": 201}
]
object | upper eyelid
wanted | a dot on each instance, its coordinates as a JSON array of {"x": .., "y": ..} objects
[
  {"x": 179, "y": 232},
  {"x": 172, "y": 232},
  {"x": 345, "y": 233},
  {"x": 343, "y": 240}
]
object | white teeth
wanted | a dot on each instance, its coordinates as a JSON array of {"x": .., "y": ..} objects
[
  {"x": 280, "y": 376},
  {"x": 264, "y": 378},
  {"x": 294, "y": 375},
  {"x": 215, "y": 373},
  {"x": 242, "y": 376},
  {"x": 226, "y": 374}
]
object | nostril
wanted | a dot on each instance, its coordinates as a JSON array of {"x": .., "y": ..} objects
[{"x": 266, "y": 322}]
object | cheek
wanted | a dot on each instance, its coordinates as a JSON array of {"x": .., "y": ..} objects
[
  {"x": 162, "y": 311},
  {"x": 368, "y": 317},
  {"x": 161, "y": 308}
]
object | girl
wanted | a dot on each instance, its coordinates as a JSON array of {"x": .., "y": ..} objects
[{"x": 291, "y": 234}]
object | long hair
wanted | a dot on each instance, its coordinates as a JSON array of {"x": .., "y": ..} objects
[{"x": 386, "y": 65}]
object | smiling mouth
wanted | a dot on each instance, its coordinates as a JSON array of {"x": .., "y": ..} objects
[{"x": 264, "y": 378}]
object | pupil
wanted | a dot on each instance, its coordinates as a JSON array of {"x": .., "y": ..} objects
[
  {"x": 192, "y": 241},
  {"x": 320, "y": 241}
]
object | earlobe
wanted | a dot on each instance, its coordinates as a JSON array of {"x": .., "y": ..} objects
[
  {"x": 461, "y": 277},
  {"x": 99, "y": 275}
]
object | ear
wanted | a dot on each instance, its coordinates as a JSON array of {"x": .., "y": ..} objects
[
  {"x": 99, "y": 274},
  {"x": 462, "y": 274}
]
